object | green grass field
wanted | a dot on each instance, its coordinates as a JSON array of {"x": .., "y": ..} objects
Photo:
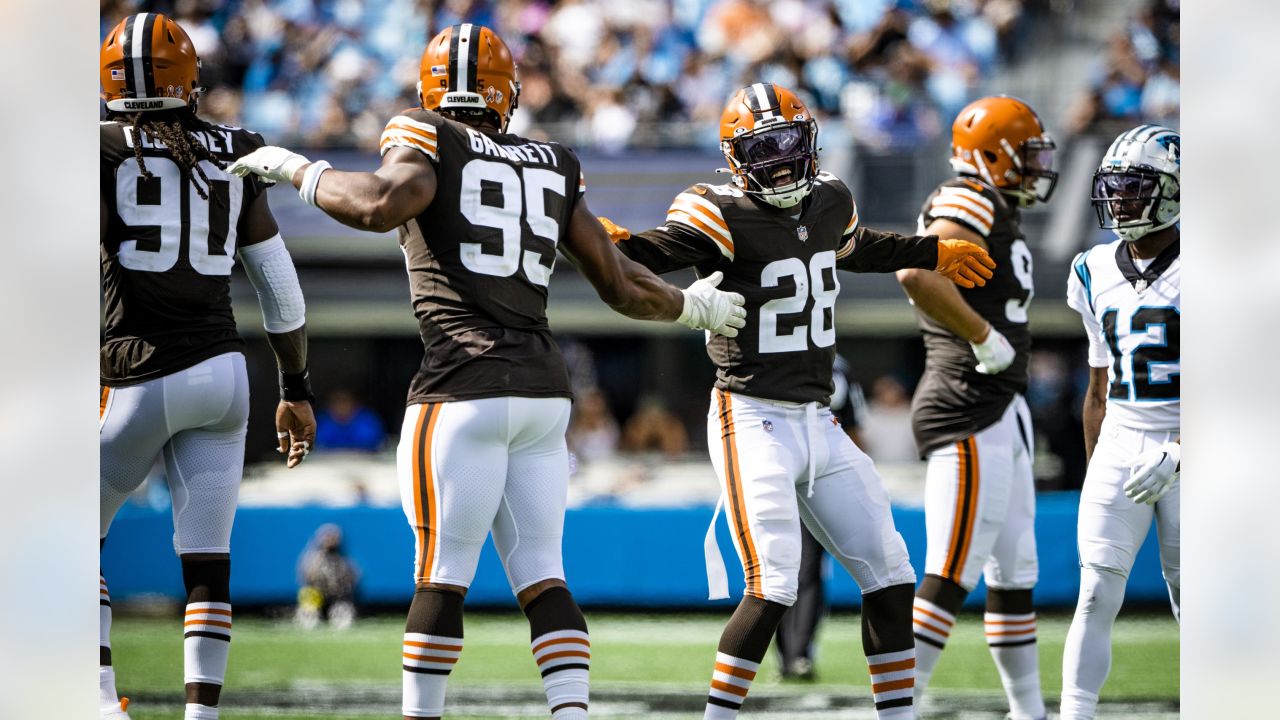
[{"x": 642, "y": 666}]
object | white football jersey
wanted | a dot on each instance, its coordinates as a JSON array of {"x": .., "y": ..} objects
[{"x": 1132, "y": 318}]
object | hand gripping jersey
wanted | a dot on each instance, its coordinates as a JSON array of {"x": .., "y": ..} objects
[
  {"x": 167, "y": 254},
  {"x": 480, "y": 257},
  {"x": 784, "y": 263},
  {"x": 953, "y": 400},
  {"x": 1131, "y": 316}
]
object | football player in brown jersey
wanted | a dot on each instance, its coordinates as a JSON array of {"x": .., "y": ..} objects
[
  {"x": 481, "y": 214},
  {"x": 172, "y": 364},
  {"x": 970, "y": 419},
  {"x": 777, "y": 233}
]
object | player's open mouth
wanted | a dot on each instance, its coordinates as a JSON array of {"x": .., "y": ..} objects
[{"x": 781, "y": 176}]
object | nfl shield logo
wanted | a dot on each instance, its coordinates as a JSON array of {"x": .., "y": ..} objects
[
  {"x": 802, "y": 232},
  {"x": 768, "y": 425}
]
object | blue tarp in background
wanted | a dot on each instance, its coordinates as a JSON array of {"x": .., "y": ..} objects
[{"x": 613, "y": 556}]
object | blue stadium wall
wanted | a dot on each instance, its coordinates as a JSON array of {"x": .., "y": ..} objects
[{"x": 613, "y": 556}]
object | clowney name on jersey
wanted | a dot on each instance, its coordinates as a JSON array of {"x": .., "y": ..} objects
[{"x": 1132, "y": 317}]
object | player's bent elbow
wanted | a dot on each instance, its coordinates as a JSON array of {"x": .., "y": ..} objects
[{"x": 911, "y": 278}]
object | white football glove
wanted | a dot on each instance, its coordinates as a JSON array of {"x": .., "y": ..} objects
[
  {"x": 994, "y": 354},
  {"x": 273, "y": 164},
  {"x": 1153, "y": 473},
  {"x": 706, "y": 308}
]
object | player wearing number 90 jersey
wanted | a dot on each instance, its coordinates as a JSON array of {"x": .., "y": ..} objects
[
  {"x": 172, "y": 365},
  {"x": 778, "y": 232},
  {"x": 481, "y": 214},
  {"x": 1129, "y": 295},
  {"x": 970, "y": 419}
]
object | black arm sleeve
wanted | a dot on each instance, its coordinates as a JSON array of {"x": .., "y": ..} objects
[
  {"x": 670, "y": 247},
  {"x": 876, "y": 251}
]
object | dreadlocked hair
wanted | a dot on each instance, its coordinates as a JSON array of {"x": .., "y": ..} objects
[{"x": 174, "y": 129}]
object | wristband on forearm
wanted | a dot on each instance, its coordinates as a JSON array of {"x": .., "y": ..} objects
[{"x": 296, "y": 387}]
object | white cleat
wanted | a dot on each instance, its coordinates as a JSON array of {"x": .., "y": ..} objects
[{"x": 113, "y": 712}]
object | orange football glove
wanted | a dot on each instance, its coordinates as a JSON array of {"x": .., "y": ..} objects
[
  {"x": 964, "y": 263},
  {"x": 616, "y": 232}
]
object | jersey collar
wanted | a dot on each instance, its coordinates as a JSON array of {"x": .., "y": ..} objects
[{"x": 1143, "y": 279}]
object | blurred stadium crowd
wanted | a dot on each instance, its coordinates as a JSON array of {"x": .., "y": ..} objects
[
  {"x": 1137, "y": 79},
  {"x": 329, "y": 72}
]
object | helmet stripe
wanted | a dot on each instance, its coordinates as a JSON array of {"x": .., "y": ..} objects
[
  {"x": 771, "y": 95},
  {"x": 139, "y": 47},
  {"x": 148, "y": 65},
  {"x": 464, "y": 52},
  {"x": 126, "y": 46},
  {"x": 454, "y": 65},
  {"x": 760, "y": 93}
]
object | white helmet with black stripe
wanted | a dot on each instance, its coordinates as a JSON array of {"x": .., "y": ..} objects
[{"x": 1136, "y": 189}]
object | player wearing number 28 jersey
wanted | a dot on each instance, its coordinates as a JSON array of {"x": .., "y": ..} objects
[
  {"x": 778, "y": 232},
  {"x": 172, "y": 364},
  {"x": 970, "y": 419},
  {"x": 481, "y": 214},
  {"x": 1129, "y": 295}
]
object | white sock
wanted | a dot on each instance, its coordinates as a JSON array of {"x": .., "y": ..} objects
[
  {"x": 564, "y": 659},
  {"x": 730, "y": 681},
  {"x": 428, "y": 660},
  {"x": 932, "y": 627},
  {"x": 196, "y": 711},
  {"x": 107, "y": 696},
  {"x": 206, "y": 640},
  {"x": 1012, "y": 640},
  {"x": 1087, "y": 657},
  {"x": 893, "y": 684}
]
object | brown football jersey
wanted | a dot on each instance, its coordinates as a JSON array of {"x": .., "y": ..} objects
[
  {"x": 167, "y": 254},
  {"x": 784, "y": 264},
  {"x": 480, "y": 258},
  {"x": 953, "y": 400}
]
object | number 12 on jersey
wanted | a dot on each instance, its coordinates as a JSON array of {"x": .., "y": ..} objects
[{"x": 1146, "y": 357}]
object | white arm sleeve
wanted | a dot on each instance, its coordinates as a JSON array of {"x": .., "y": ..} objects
[
  {"x": 1078, "y": 299},
  {"x": 270, "y": 269}
]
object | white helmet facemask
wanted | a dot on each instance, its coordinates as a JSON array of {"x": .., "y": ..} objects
[{"x": 1136, "y": 189}]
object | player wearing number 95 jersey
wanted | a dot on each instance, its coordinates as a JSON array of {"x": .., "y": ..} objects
[
  {"x": 172, "y": 365},
  {"x": 481, "y": 215},
  {"x": 970, "y": 419},
  {"x": 778, "y": 232},
  {"x": 1128, "y": 293}
]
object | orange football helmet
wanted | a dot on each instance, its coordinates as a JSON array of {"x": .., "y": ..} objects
[
  {"x": 1001, "y": 140},
  {"x": 770, "y": 139},
  {"x": 148, "y": 63},
  {"x": 468, "y": 68}
]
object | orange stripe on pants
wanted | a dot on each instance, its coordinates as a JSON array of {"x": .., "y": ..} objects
[
  {"x": 103, "y": 394},
  {"x": 738, "y": 519},
  {"x": 427, "y": 528},
  {"x": 965, "y": 511}
]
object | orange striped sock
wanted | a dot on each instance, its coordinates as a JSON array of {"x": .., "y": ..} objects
[
  {"x": 730, "y": 681},
  {"x": 893, "y": 679},
  {"x": 1012, "y": 640},
  {"x": 426, "y": 663},
  {"x": 206, "y": 633},
  {"x": 564, "y": 660}
]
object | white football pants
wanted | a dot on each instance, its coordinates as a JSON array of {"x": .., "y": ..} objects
[
  {"x": 1111, "y": 527},
  {"x": 980, "y": 506},
  {"x": 768, "y": 456},
  {"x": 197, "y": 418},
  {"x": 470, "y": 466}
]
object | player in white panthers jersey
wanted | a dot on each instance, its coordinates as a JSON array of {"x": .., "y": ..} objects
[{"x": 1129, "y": 295}]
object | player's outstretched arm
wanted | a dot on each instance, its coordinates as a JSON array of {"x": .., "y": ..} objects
[
  {"x": 633, "y": 290},
  {"x": 962, "y": 262},
  {"x": 1095, "y": 408},
  {"x": 937, "y": 297},
  {"x": 400, "y": 189},
  {"x": 270, "y": 270}
]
